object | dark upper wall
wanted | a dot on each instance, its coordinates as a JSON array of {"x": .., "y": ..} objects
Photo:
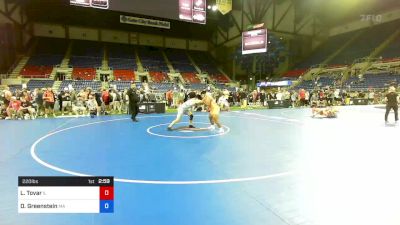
[{"x": 60, "y": 12}]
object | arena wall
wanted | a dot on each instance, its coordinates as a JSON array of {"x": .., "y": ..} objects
[
  {"x": 151, "y": 40},
  {"x": 83, "y": 33},
  {"x": 49, "y": 30},
  {"x": 197, "y": 45},
  {"x": 116, "y": 36},
  {"x": 175, "y": 43}
]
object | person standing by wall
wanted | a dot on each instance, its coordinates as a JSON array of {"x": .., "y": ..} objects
[
  {"x": 392, "y": 101},
  {"x": 133, "y": 103}
]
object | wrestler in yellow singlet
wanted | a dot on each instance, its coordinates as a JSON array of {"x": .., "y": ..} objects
[{"x": 214, "y": 109}]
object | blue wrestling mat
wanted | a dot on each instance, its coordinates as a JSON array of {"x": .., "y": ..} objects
[{"x": 275, "y": 167}]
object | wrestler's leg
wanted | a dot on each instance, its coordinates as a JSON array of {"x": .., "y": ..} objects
[{"x": 178, "y": 118}]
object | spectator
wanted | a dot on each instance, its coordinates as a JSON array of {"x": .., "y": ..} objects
[
  {"x": 26, "y": 110},
  {"x": 13, "y": 108},
  {"x": 302, "y": 97},
  {"x": 133, "y": 103},
  {"x": 3, "y": 112},
  {"x": 60, "y": 101},
  {"x": 169, "y": 97},
  {"x": 39, "y": 102},
  {"x": 392, "y": 101},
  {"x": 371, "y": 97},
  {"x": 99, "y": 100},
  {"x": 279, "y": 95},
  {"x": 78, "y": 107},
  {"x": 49, "y": 100},
  {"x": 92, "y": 106},
  {"x": 105, "y": 96},
  {"x": 7, "y": 96},
  {"x": 66, "y": 102}
]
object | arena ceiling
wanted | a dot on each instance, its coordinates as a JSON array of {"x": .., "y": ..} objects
[
  {"x": 336, "y": 12},
  {"x": 60, "y": 12},
  {"x": 329, "y": 13}
]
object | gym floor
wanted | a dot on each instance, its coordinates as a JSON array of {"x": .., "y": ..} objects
[{"x": 275, "y": 167}]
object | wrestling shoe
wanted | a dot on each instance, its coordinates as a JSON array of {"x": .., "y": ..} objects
[
  {"x": 212, "y": 127},
  {"x": 191, "y": 126},
  {"x": 169, "y": 128},
  {"x": 221, "y": 130}
]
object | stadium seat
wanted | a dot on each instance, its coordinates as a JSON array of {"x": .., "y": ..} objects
[
  {"x": 220, "y": 78},
  {"x": 36, "y": 71},
  {"x": 190, "y": 78},
  {"x": 81, "y": 84},
  {"x": 152, "y": 59},
  {"x": 158, "y": 77},
  {"x": 180, "y": 61},
  {"x": 83, "y": 73},
  {"x": 124, "y": 75},
  {"x": 33, "y": 83}
]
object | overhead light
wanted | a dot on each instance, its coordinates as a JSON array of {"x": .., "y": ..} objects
[
  {"x": 214, "y": 8},
  {"x": 209, "y": 7}
]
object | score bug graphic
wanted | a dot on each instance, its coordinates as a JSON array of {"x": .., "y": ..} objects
[{"x": 65, "y": 194}]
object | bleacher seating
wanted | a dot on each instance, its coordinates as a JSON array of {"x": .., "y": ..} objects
[
  {"x": 44, "y": 60},
  {"x": 220, "y": 78},
  {"x": 205, "y": 62},
  {"x": 51, "y": 46},
  {"x": 325, "y": 81},
  {"x": 306, "y": 85},
  {"x": 122, "y": 64},
  {"x": 14, "y": 87},
  {"x": 222, "y": 86},
  {"x": 85, "y": 62},
  {"x": 392, "y": 50},
  {"x": 121, "y": 57},
  {"x": 83, "y": 73},
  {"x": 295, "y": 73},
  {"x": 33, "y": 83},
  {"x": 80, "y": 84},
  {"x": 162, "y": 87},
  {"x": 366, "y": 43},
  {"x": 124, "y": 85},
  {"x": 36, "y": 71},
  {"x": 152, "y": 59},
  {"x": 325, "y": 49},
  {"x": 158, "y": 77},
  {"x": 196, "y": 86},
  {"x": 180, "y": 60},
  {"x": 376, "y": 81},
  {"x": 190, "y": 78},
  {"x": 48, "y": 52},
  {"x": 87, "y": 48},
  {"x": 86, "y": 54},
  {"x": 124, "y": 75}
]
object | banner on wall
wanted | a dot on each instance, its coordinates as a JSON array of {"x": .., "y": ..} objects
[
  {"x": 282, "y": 83},
  {"x": 193, "y": 11},
  {"x": 224, "y": 6},
  {"x": 144, "y": 22}
]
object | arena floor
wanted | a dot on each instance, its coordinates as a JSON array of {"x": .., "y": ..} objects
[{"x": 275, "y": 167}]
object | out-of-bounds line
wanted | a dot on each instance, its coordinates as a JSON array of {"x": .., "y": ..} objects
[
  {"x": 234, "y": 180},
  {"x": 285, "y": 119}
]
